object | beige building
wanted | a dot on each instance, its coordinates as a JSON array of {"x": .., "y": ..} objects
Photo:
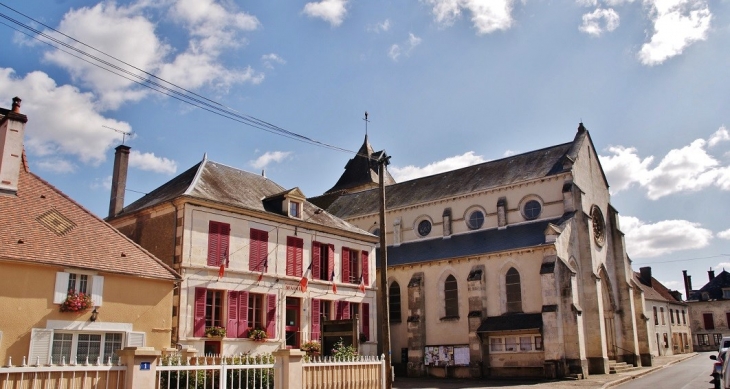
[
  {"x": 73, "y": 288},
  {"x": 253, "y": 256},
  {"x": 668, "y": 325},
  {"x": 512, "y": 267},
  {"x": 709, "y": 310}
]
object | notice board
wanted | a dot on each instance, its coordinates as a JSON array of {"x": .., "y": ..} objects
[{"x": 456, "y": 355}]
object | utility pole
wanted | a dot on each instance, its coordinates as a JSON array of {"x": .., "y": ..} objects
[{"x": 385, "y": 324}]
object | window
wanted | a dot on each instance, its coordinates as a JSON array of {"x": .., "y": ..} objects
[
  {"x": 661, "y": 313},
  {"x": 671, "y": 315},
  {"x": 394, "y": 303},
  {"x": 726, "y": 293},
  {"x": 424, "y": 227},
  {"x": 532, "y": 209},
  {"x": 218, "y": 237},
  {"x": 476, "y": 220},
  {"x": 323, "y": 261},
  {"x": 703, "y": 339},
  {"x": 599, "y": 226},
  {"x": 295, "y": 209},
  {"x": 355, "y": 266},
  {"x": 708, "y": 321},
  {"x": 514, "y": 344},
  {"x": 78, "y": 283},
  {"x": 245, "y": 311},
  {"x": 656, "y": 317},
  {"x": 666, "y": 340},
  {"x": 294, "y": 259},
  {"x": 684, "y": 318},
  {"x": 717, "y": 339},
  {"x": 69, "y": 347},
  {"x": 255, "y": 311},
  {"x": 258, "y": 251},
  {"x": 291, "y": 322},
  {"x": 451, "y": 297},
  {"x": 514, "y": 291}
]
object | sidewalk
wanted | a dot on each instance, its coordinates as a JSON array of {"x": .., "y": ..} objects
[{"x": 594, "y": 381}]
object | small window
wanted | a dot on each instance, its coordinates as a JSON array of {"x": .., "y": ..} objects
[
  {"x": 514, "y": 291},
  {"x": 532, "y": 209},
  {"x": 424, "y": 227},
  {"x": 451, "y": 297},
  {"x": 295, "y": 209},
  {"x": 476, "y": 220},
  {"x": 394, "y": 302},
  {"x": 495, "y": 345}
]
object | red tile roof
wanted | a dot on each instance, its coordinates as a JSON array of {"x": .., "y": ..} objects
[{"x": 42, "y": 225}]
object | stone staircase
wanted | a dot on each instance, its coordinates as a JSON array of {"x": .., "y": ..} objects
[{"x": 619, "y": 367}]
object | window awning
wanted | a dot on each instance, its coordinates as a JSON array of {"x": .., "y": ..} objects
[{"x": 512, "y": 322}]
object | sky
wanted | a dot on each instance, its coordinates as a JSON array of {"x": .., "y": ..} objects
[{"x": 282, "y": 88}]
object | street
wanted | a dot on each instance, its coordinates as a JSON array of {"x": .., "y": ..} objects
[{"x": 693, "y": 373}]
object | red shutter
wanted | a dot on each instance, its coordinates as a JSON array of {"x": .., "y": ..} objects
[
  {"x": 709, "y": 322},
  {"x": 330, "y": 261},
  {"x": 366, "y": 320},
  {"x": 258, "y": 250},
  {"x": 242, "y": 314},
  {"x": 338, "y": 311},
  {"x": 232, "y": 327},
  {"x": 345, "y": 265},
  {"x": 213, "y": 243},
  {"x": 345, "y": 305},
  {"x": 315, "y": 319},
  {"x": 271, "y": 316},
  {"x": 316, "y": 258},
  {"x": 199, "y": 317},
  {"x": 225, "y": 233},
  {"x": 298, "y": 256},
  {"x": 290, "y": 256},
  {"x": 365, "y": 268}
]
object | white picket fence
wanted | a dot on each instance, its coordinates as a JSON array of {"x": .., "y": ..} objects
[
  {"x": 361, "y": 372},
  {"x": 63, "y": 376}
]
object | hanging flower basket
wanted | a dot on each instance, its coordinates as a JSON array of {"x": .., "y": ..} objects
[
  {"x": 76, "y": 302},
  {"x": 215, "y": 332},
  {"x": 257, "y": 335}
]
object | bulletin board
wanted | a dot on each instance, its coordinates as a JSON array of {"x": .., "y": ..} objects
[{"x": 457, "y": 355}]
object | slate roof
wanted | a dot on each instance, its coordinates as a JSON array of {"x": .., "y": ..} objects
[
  {"x": 218, "y": 183},
  {"x": 472, "y": 243},
  {"x": 359, "y": 171},
  {"x": 511, "y": 322},
  {"x": 713, "y": 288},
  {"x": 657, "y": 291},
  {"x": 532, "y": 165},
  {"x": 44, "y": 226}
]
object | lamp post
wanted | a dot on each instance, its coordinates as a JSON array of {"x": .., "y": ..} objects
[{"x": 385, "y": 324}]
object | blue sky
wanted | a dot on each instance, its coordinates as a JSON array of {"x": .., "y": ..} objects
[{"x": 447, "y": 83}]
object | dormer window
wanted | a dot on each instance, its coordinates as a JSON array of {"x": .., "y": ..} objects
[
  {"x": 726, "y": 293},
  {"x": 295, "y": 209}
]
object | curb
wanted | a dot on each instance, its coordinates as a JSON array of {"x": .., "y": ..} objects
[{"x": 647, "y": 371}]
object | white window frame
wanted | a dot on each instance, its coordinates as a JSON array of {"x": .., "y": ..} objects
[
  {"x": 515, "y": 341},
  {"x": 61, "y": 288},
  {"x": 41, "y": 343}
]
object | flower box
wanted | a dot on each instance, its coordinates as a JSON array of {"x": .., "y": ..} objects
[
  {"x": 257, "y": 335},
  {"x": 215, "y": 332},
  {"x": 76, "y": 302}
]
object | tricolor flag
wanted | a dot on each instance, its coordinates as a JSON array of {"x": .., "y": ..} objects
[
  {"x": 263, "y": 269},
  {"x": 362, "y": 284},
  {"x": 303, "y": 282},
  {"x": 224, "y": 263},
  {"x": 334, "y": 286}
]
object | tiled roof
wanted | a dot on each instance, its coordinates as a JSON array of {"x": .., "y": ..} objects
[
  {"x": 42, "y": 225},
  {"x": 218, "y": 183},
  {"x": 359, "y": 170},
  {"x": 714, "y": 287},
  {"x": 512, "y": 322},
  {"x": 472, "y": 243},
  {"x": 656, "y": 291}
]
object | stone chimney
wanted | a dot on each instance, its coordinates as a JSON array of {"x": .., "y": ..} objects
[
  {"x": 687, "y": 283},
  {"x": 645, "y": 275},
  {"x": 711, "y": 274},
  {"x": 12, "y": 128},
  {"x": 119, "y": 180}
]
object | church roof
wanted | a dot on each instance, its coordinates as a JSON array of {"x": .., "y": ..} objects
[{"x": 360, "y": 172}]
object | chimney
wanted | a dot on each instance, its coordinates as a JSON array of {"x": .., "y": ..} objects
[
  {"x": 119, "y": 180},
  {"x": 645, "y": 275},
  {"x": 687, "y": 285},
  {"x": 711, "y": 274},
  {"x": 12, "y": 128}
]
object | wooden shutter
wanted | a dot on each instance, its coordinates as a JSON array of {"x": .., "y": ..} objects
[
  {"x": 365, "y": 268},
  {"x": 97, "y": 289},
  {"x": 242, "y": 315},
  {"x": 271, "y": 316},
  {"x": 233, "y": 312},
  {"x": 338, "y": 312},
  {"x": 290, "y": 256},
  {"x": 213, "y": 243},
  {"x": 298, "y": 256},
  {"x": 258, "y": 250},
  {"x": 316, "y": 317},
  {"x": 345, "y": 265},
  {"x": 330, "y": 261},
  {"x": 61, "y": 291},
  {"x": 345, "y": 305},
  {"x": 709, "y": 322},
  {"x": 40, "y": 345},
  {"x": 366, "y": 320},
  {"x": 225, "y": 234},
  {"x": 199, "y": 316},
  {"x": 316, "y": 258}
]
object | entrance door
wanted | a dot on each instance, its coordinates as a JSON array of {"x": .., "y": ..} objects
[{"x": 292, "y": 322}]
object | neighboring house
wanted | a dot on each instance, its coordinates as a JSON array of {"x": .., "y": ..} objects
[
  {"x": 511, "y": 267},
  {"x": 52, "y": 248},
  {"x": 254, "y": 256},
  {"x": 668, "y": 326},
  {"x": 709, "y": 310}
]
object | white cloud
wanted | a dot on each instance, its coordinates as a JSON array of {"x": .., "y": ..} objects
[
  {"x": 56, "y": 165},
  {"x": 270, "y": 59},
  {"x": 65, "y": 121},
  {"x": 719, "y": 136},
  {"x": 592, "y": 21},
  {"x": 486, "y": 15},
  {"x": 721, "y": 266},
  {"x": 396, "y": 50},
  {"x": 331, "y": 11},
  {"x": 379, "y": 27},
  {"x": 673, "y": 285},
  {"x": 724, "y": 234},
  {"x": 410, "y": 172},
  {"x": 508, "y": 153},
  {"x": 677, "y": 25},
  {"x": 651, "y": 240},
  {"x": 102, "y": 183},
  {"x": 687, "y": 169},
  {"x": 152, "y": 163},
  {"x": 269, "y": 157}
]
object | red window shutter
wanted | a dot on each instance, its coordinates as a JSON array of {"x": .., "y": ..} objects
[
  {"x": 316, "y": 258},
  {"x": 271, "y": 316},
  {"x": 298, "y": 256},
  {"x": 258, "y": 250},
  {"x": 225, "y": 233},
  {"x": 366, "y": 320},
  {"x": 709, "y": 322},
  {"x": 213, "y": 243},
  {"x": 330, "y": 260},
  {"x": 338, "y": 311},
  {"x": 345, "y": 310},
  {"x": 290, "y": 256},
  {"x": 232, "y": 327},
  {"x": 316, "y": 317},
  {"x": 345, "y": 265},
  {"x": 199, "y": 317},
  {"x": 365, "y": 268},
  {"x": 242, "y": 315}
]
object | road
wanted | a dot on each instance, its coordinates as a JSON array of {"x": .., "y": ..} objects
[{"x": 693, "y": 373}]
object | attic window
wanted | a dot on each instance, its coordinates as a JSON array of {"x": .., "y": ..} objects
[
  {"x": 56, "y": 222},
  {"x": 726, "y": 293},
  {"x": 295, "y": 209}
]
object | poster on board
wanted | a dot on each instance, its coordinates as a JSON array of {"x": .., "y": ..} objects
[{"x": 446, "y": 355}]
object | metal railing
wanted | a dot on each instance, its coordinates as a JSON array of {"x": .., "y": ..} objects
[
  {"x": 73, "y": 375},
  {"x": 243, "y": 371}
]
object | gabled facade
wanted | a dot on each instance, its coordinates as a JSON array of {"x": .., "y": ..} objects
[
  {"x": 709, "y": 310},
  {"x": 511, "y": 267},
  {"x": 254, "y": 256},
  {"x": 74, "y": 289}
]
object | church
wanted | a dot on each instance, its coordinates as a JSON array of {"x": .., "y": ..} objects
[{"x": 512, "y": 267}]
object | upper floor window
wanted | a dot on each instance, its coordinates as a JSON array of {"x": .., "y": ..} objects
[
  {"x": 671, "y": 316},
  {"x": 295, "y": 209},
  {"x": 323, "y": 261},
  {"x": 394, "y": 302},
  {"x": 514, "y": 290},
  {"x": 708, "y": 321},
  {"x": 684, "y": 318},
  {"x": 218, "y": 238},
  {"x": 355, "y": 267},
  {"x": 661, "y": 313},
  {"x": 656, "y": 317},
  {"x": 532, "y": 209},
  {"x": 258, "y": 251},
  {"x": 451, "y": 297},
  {"x": 78, "y": 283},
  {"x": 294, "y": 257},
  {"x": 424, "y": 227},
  {"x": 726, "y": 293},
  {"x": 476, "y": 219}
]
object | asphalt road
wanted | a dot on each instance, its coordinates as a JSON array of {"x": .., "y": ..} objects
[{"x": 693, "y": 373}]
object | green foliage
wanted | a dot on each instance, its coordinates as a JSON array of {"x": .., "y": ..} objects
[
  {"x": 343, "y": 352},
  {"x": 215, "y": 331},
  {"x": 257, "y": 334},
  {"x": 204, "y": 379}
]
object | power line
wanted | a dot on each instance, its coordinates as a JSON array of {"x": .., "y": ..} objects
[{"x": 682, "y": 260}]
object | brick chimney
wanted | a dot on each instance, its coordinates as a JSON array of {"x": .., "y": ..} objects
[
  {"x": 12, "y": 128},
  {"x": 645, "y": 275},
  {"x": 687, "y": 283},
  {"x": 119, "y": 180},
  {"x": 711, "y": 274}
]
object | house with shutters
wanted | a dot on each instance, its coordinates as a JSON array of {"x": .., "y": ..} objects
[
  {"x": 256, "y": 258},
  {"x": 709, "y": 310},
  {"x": 74, "y": 289},
  {"x": 511, "y": 267}
]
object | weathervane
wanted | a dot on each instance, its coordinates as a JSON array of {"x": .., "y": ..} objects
[
  {"x": 366, "y": 123},
  {"x": 124, "y": 134}
]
